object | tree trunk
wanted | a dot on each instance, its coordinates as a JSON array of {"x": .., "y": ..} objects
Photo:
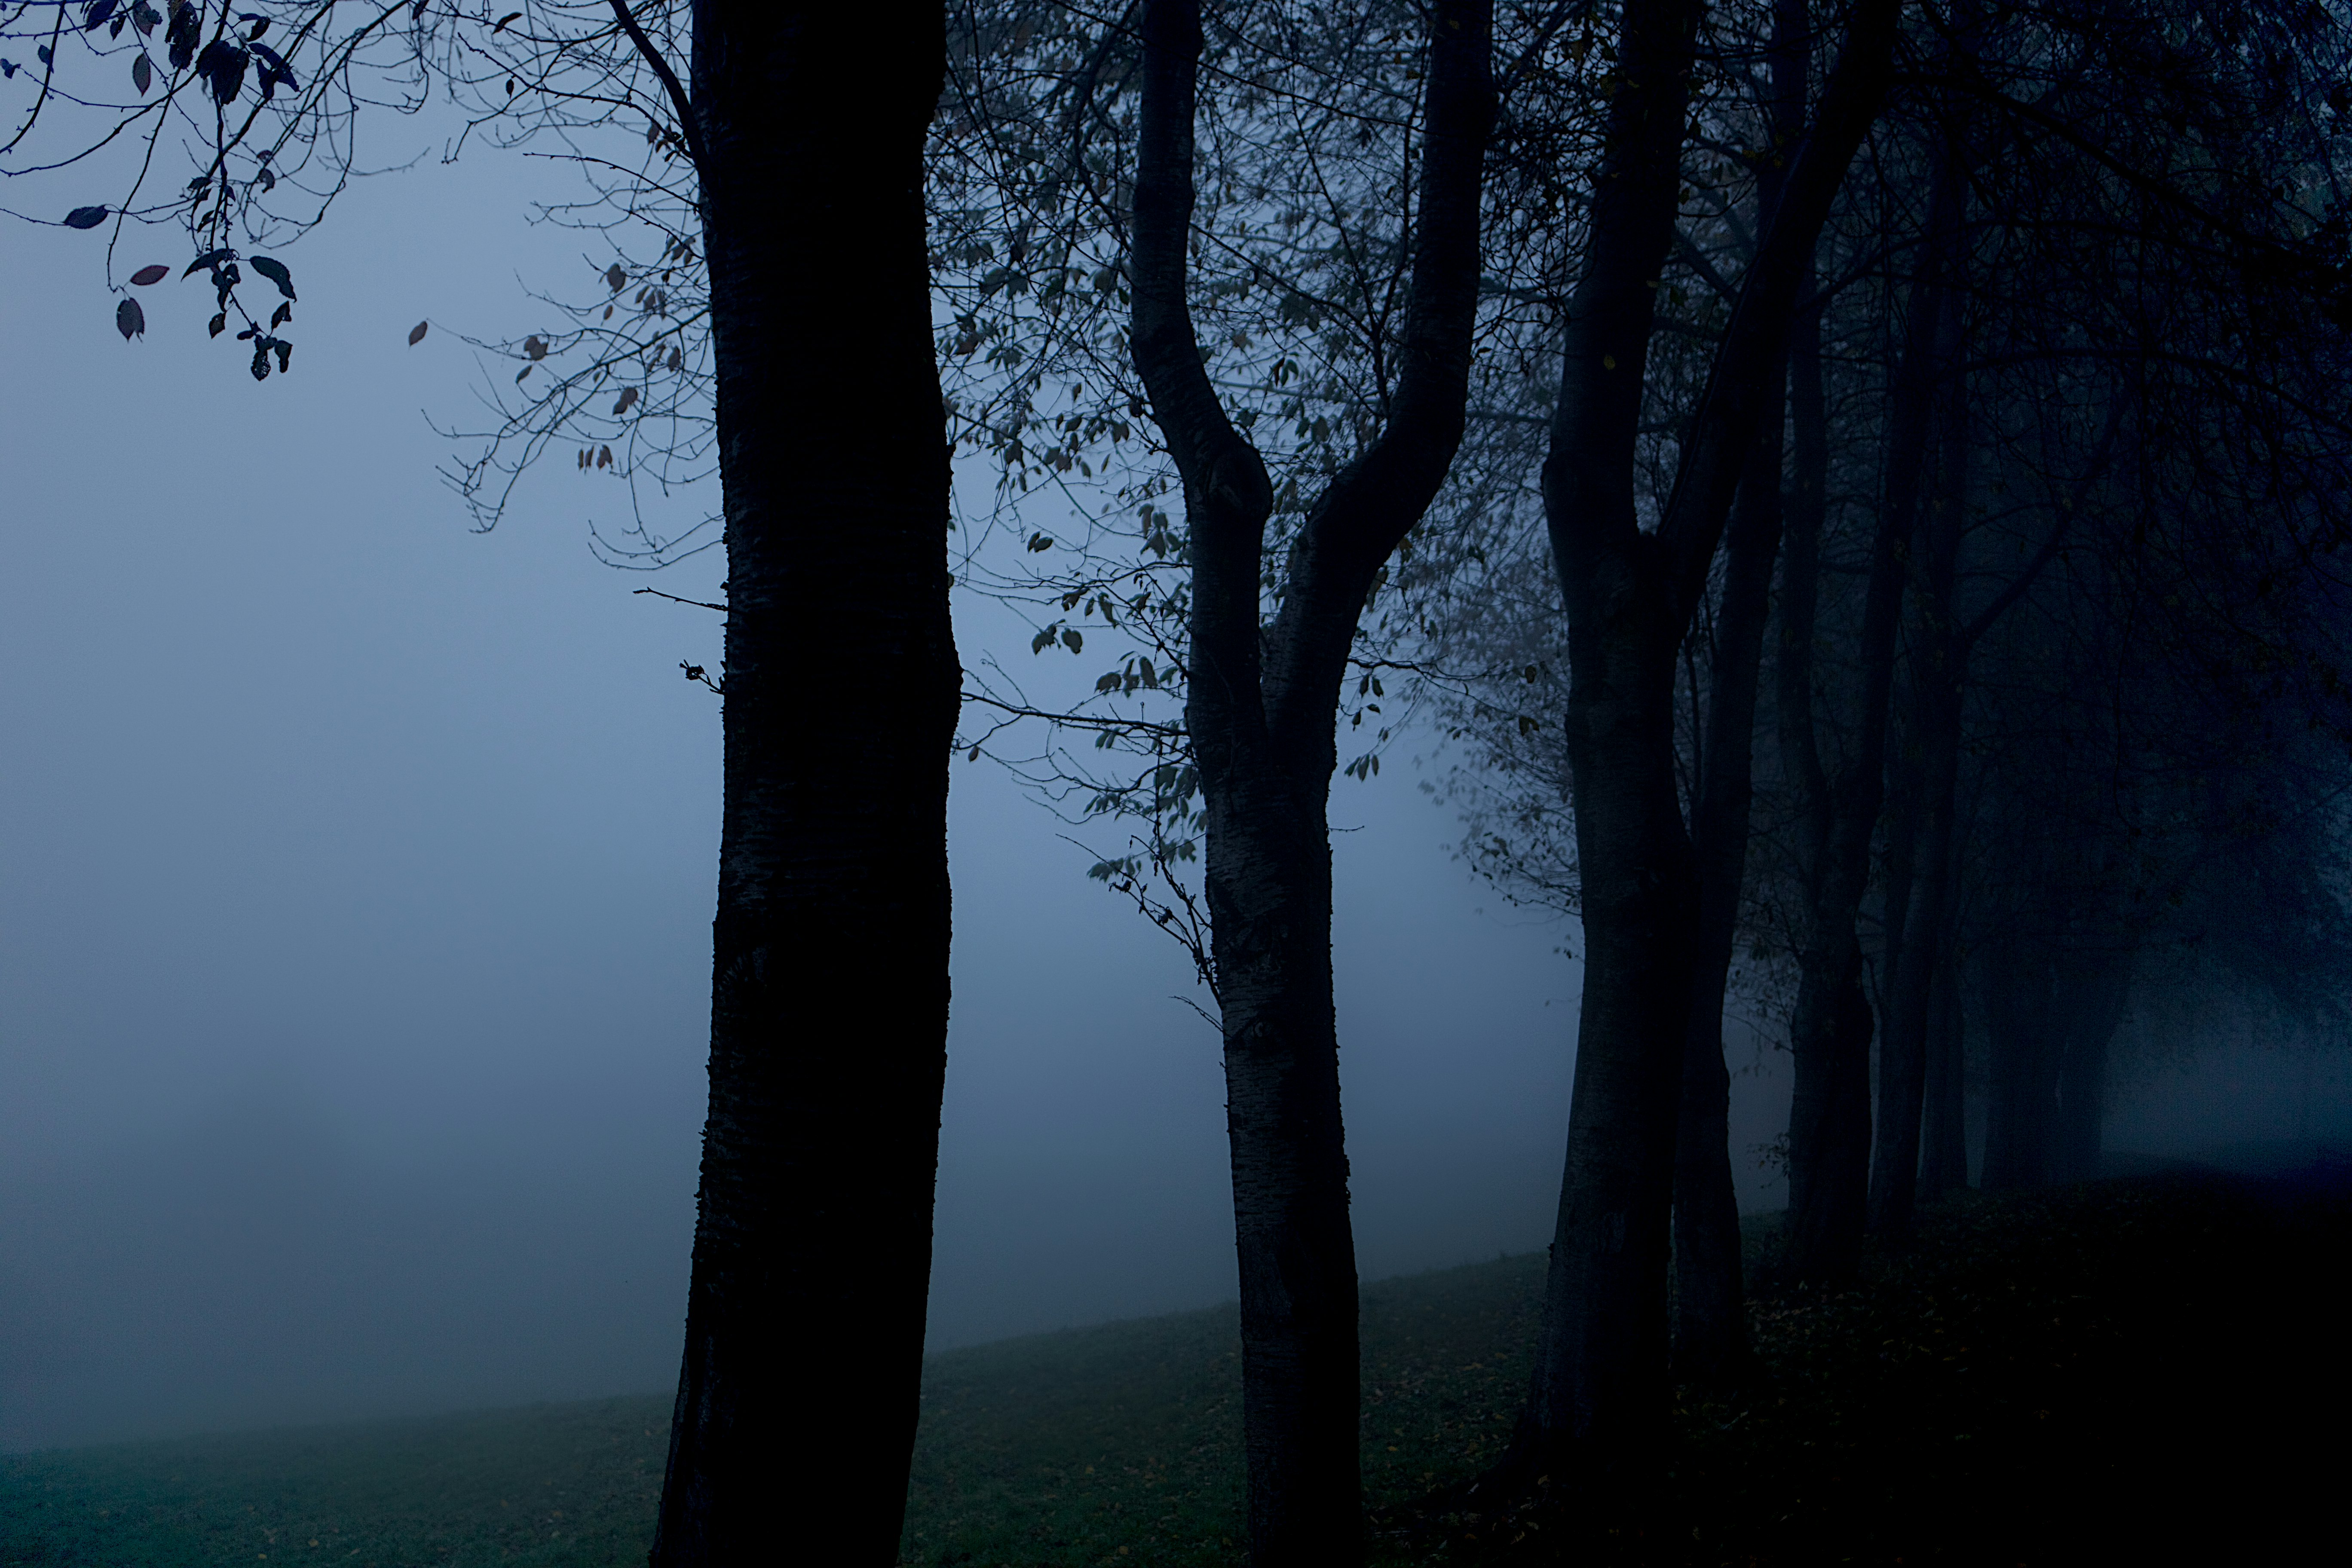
[
  {"x": 1596, "y": 1398},
  {"x": 2101, "y": 988},
  {"x": 1939, "y": 665},
  {"x": 1710, "y": 1321},
  {"x": 1261, "y": 708},
  {"x": 1944, "y": 1155},
  {"x": 797, "y": 1399},
  {"x": 2018, "y": 983},
  {"x": 1829, "y": 1153}
]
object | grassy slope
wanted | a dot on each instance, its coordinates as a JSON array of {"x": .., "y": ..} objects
[
  {"x": 2035, "y": 1370},
  {"x": 1063, "y": 1447}
]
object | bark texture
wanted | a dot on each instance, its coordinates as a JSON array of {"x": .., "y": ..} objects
[
  {"x": 1262, "y": 708},
  {"x": 797, "y": 1399}
]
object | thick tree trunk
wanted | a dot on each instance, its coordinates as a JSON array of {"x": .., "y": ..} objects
[
  {"x": 797, "y": 1399},
  {"x": 1261, "y": 708},
  {"x": 1596, "y": 1399}
]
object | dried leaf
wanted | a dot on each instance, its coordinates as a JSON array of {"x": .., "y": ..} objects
[
  {"x": 416, "y": 334},
  {"x": 147, "y": 275}
]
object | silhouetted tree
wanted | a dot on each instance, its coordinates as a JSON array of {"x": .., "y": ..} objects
[{"x": 796, "y": 212}]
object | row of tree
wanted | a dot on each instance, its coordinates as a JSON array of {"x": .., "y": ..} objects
[
  {"x": 1956, "y": 375},
  {"x": 1949, "y": 387}
]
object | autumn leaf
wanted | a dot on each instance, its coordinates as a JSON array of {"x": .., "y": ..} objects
[
  {"x": 416, "y": 334},
  {"x": 147, "y": 275}
]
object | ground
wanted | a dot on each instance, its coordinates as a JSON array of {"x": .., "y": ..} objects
[{"x": 2142, "y": 1369}]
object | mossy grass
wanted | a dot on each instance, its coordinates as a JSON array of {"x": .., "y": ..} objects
[{"x": 2029, "y": 1379}]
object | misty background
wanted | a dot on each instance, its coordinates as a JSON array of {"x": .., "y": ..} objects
[{"x": 356, "y": 874}]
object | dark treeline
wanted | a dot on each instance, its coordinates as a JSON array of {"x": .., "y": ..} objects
[
  {"x": 1900, "y": 445},
  {"x": 1861, "y": 482}
]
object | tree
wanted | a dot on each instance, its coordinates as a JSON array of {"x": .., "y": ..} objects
[
  {"x": 1234, "y": 225},
  {"x": 1630, "y": 594},
  {"x": 797, "y": 1401}
]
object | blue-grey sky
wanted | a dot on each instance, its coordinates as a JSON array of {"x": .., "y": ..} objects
[{"x": 355, "y": 881}]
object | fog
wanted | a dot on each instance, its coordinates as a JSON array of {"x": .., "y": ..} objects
[{"x": 355, "y": 881}]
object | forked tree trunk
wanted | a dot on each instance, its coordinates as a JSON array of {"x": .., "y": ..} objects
[
  {"x": 1262, "y": 707},
  {"x": 1596, "y": 1398},
  {"x": 797, "y": 1399}
]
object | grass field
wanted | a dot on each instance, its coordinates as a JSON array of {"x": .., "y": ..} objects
[
  {"x": 1993, "y": 1394},
  {"x": 1060, "y": 1447}
]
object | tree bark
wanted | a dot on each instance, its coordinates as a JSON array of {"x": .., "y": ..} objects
[
  {"x": 797, "y": 1397},
  {"x": 1261, "y": 706},
  {"x": 1596, "y": 1398}
]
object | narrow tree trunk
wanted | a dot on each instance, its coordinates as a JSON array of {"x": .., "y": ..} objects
[
  {"x": 1937, "y": 670},
  {"x": 1829, "y": 1152},
  {"x": 1261, "y": 708},
  {"x": 1710, "y": 1321},
  {"x": 797, "y": 1399},
  {"x": 2019, "y": 987},
  {"x": 1596, "y": 1398},
  {"x": 1944, "y": 1156},
  {"x": 2101, "y": 988},
  {"x": 1904, "y": 1065}
]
